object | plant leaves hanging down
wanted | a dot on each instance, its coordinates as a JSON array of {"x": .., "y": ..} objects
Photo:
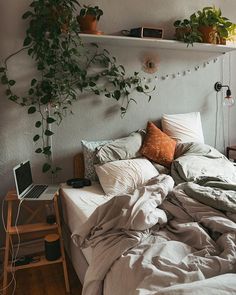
[{"x": 63, "y": 67}]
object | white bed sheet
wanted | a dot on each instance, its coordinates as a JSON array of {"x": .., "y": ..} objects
[{"x": 79, "y": 204}]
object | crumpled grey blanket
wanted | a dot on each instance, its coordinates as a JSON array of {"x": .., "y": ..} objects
[
  {"x": 120, "y": 224},
  {"x": 150, "y": 243},
  {"x": 206, "y": 175},
  {"x": 214, "y": 192},
  {"x": 196, "y": 160}
]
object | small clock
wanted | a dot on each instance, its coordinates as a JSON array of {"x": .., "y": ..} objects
[{"x": 143, "y": 32}]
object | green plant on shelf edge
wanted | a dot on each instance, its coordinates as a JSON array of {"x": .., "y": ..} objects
[
  {"x": 186, "y": 31},
  {"x": 91, "y": 10},
  {"x": 212, "y": 17},
  {"x": 207, "y": 17},
  {"x": 63, "y": 65}
]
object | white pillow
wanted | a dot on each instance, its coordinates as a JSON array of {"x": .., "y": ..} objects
[
  {"x": 183, "y": 127},
  {"x": 121, "y": 177}
]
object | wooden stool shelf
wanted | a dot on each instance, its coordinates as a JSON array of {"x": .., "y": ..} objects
[
  {"x": 42, "y": 261},
  {"x": 31, "y": 228}
]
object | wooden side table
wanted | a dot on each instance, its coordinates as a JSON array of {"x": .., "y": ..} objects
[
  {"x": 29, "y": 228},
  {"x": 231, "y": 148}
]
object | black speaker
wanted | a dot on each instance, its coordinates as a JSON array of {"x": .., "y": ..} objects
[{"x": 52, "y": 247}]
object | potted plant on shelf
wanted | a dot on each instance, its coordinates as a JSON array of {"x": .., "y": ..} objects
[
  {"x": 186, "y": 31},
  {"x": 213, "y": 27},
  {"x": 206, "y": 25},
  {"x": 63, "y": 67},
  {"x": 88, "y": 19}
]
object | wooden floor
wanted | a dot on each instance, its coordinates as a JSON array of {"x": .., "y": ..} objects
[{"x": 46, "y": 280}]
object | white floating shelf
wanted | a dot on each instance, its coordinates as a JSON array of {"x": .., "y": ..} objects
[{"x": 154, "y": 43}]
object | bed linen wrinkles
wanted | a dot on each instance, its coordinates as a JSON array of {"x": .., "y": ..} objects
[{"x": 148, "y": 243}]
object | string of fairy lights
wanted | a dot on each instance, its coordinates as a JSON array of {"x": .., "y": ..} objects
[{"x": 184, "y": 72}]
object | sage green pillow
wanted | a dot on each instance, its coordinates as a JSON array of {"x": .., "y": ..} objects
[{"x": 121, "y": 149}]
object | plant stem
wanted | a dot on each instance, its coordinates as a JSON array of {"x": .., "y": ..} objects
[{"x": 15, "y": 53}]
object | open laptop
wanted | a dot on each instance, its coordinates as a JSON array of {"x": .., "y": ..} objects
[{"x": 25, "y": 187}]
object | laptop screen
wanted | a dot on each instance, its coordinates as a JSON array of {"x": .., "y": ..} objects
[{"x": 23, "y": 177}]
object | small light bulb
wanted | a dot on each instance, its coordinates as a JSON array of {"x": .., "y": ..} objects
[{"x": 228, "y": 101}]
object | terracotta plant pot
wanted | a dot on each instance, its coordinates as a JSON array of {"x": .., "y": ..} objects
[
  {"x": 88, "y": 24},
  {"x": 209, "y": 34},
  {"x": 222, "y": 41}
]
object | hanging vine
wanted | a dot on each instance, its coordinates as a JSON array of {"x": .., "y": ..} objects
[{"x": 64, "y": 70}]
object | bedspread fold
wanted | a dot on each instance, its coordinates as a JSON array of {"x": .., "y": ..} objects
[{"x": 165, "y": 240}]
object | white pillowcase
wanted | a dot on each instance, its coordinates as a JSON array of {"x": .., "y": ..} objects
[
  {"x": 121, "y": 177},
  {"x": 183, "y": 127}
]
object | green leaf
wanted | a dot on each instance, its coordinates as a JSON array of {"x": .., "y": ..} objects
[
  {"x": 116, "y": 94},
  {"x": 50, "y": 120},
  {"x": 47, "y": 153},
  {"x": 13, "y": 97},
  {"x": 92, "y": 84},
  {"x": 40, "y": 66},
  {"x": 31, "y": 91},
  {"x": 33, "y": 82},
  {"x": 11, "y": 82},
  {"x": 36, "y": 138},
  {"x": 48, "y": 132},
  {"x": 38, "y": 151},
  {"x": 123, "y": 111},
  {"x": 38, "y": 124},
  {"x": 2, "y": 70},
  {"x": 47, "y": 150},
  {"x": 27, "y": 14},
  {"x": 30, "y": 51},
  {"x": 139, "y": 88},
  {"x": 4, "y": 80},
  {"x": 46, "y": 167},
  {"x": 31, "y": 110},
  {"x": 27, "y": 41}
]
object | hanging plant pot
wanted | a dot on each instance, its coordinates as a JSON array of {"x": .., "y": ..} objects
[
  {"x": 88, "y": 24},
  {"x": 209, "y": 34}
]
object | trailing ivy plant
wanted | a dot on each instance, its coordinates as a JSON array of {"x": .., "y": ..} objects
[{"x": 64, "y": 72}]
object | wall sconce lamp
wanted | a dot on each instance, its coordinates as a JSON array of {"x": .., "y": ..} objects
[{"x": 228, "y": 100}]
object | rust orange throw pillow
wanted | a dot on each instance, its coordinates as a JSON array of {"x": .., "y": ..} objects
[{"x": 158, "y": 146}]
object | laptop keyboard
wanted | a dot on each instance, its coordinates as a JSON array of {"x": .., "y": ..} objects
[{"x": 36, "y": 191}]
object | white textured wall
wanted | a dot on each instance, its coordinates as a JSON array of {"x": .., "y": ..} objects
[{"x": 97, "y": 117}]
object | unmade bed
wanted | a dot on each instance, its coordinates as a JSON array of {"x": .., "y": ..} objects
[
  {"x": 77, "y": 206},
  {"x": 172, "y": 235}
]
